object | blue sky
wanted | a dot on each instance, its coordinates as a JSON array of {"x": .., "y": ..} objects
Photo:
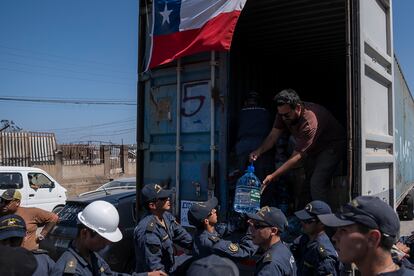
[
  {"x": 81, "y": 49},
  {"x": 87, "y": 49},
  {"x": 404, "y": 37}
]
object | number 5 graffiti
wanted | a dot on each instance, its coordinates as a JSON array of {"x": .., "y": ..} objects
[{"x": 200, "y": 99}]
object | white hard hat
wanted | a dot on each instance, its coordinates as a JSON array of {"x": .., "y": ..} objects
[{"x": 103, "y": 218}]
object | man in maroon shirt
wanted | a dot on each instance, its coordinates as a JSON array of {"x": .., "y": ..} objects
[{"x": 320, "y": 142}]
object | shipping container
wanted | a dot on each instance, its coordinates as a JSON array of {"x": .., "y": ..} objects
[{"x": 338, "y": 53}]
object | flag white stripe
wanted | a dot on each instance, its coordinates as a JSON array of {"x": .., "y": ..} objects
[{"x": 195, "y": 13}]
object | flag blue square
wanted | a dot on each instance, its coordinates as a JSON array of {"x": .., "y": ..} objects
[{"x": 167, "y": 16}]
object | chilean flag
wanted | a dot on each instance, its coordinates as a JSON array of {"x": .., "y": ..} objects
[{"x": 185, "y": 27}]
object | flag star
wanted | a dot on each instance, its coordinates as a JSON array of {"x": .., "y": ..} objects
[{"x": 165, "y": 14}]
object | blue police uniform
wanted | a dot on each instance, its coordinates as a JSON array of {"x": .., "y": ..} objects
[
  {"x": 71, "y": 263},
  {"x": 403, "y": 271},
  {"x": 206, "y": 243},
  {"x": 154, "y": 243},
  {"x": 277, "y": 260},
  {"x": 45, "y": 264},
  {"x": 317, "y": 257}
]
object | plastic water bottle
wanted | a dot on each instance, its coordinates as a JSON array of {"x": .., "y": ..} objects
[{"x": 247, "y": 194}]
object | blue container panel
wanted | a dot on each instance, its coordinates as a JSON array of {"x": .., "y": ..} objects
[{"x": 160, "y": 127}]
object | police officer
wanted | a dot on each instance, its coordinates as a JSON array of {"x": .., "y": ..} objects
[
  {"x": 207, "y": 241},
  {"x": 157, "y": 232},
  {"x": 12, "y": 233},
  {"x": 213, "y": 265},
  {"x": 97, "y": 228},
  {"x": 313, "y": 251},
  {"x": 366, "y": 229},
  {"x": 266, "y": 226}
]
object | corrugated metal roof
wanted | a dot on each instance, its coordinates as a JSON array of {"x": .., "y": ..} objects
[{"x": 294, "y": 28}]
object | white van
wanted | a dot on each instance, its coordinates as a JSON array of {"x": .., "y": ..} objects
[{"x": 38, "y": 188}]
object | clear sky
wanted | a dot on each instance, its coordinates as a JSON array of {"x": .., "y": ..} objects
[
  {"x": 80, "y": 49},
  {"x": 87, "y": 49},
  {"x": 404, "y": 38}
]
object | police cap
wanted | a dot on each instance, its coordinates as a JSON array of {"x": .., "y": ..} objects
[
  {"x": 369, "y": 211},
  {"x": 313, "y": 209},
  {"x": 213, "y": 265}
]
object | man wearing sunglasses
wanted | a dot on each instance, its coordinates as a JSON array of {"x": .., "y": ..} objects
[
  {"x": 156, "y": 233},
  {"x": 320, "y": 141},
  {"x": 313, "y": 251},
  {"x": 207, "y": 241},
  {"x": 266, "y": 227},
  {"x": 366, "y": 229}
]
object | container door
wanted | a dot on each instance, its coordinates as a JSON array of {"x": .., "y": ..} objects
[
  {"x": 374, "y": 105},
  {"x": 161, "y": 128}
]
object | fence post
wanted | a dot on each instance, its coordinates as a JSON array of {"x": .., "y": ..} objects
[
  {"x": 106, "y": 160},
  {"x": 124, "y": 159},
  {"x": 59, "y": 164}
]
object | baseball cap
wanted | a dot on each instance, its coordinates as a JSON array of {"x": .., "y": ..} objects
[
  {"x": 369, "y": 211},
  {"x": 200, "y": 210},
  {"x": 12, "y": 226},
  {"x": 213, "y": 265},
  {"x": 313, "y": 209},
  {"x": 154, "y": 191},
  {"x": 271, "y": 216},
  {"x": 11, "y": 194}
]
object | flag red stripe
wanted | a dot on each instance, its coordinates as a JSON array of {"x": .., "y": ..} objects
[{"x": 215, "y": 35}]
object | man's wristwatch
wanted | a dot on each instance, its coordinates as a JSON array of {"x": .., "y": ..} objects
[{"x": 40, "y": 237}]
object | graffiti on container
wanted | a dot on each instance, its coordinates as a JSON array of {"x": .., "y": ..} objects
[{"x": 195, "y": 109}]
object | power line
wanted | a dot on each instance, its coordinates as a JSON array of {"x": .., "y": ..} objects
[
  {"x": 90, "y": 126},
  {"x": 59, "y": 57},
  {"x": 67, "y": 70},
  {"x": 98, "y": 128},
  {"x": 68, "y": 101},
  {"x": 120, "y": 132},
  {"x": 65, "y": 77}
]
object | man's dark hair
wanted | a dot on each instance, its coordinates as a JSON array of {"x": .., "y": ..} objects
[
  {"x": 287, "y": 96},
  {"x": 386, "y": 242}
]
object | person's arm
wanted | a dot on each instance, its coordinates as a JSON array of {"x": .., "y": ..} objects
[
  {"x": 46, "y": 219},
  {"x": 304, "y": 141},
  {"x": 153, "y": 252},
  {"x": 181, "y": 236},
  {"x": 290, "y": 163},
  {"x": 244, "y": 249},
  {"x": 267, "y": 144}
]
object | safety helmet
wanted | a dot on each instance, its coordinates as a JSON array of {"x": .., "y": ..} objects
[{"x": 103, "y": 218}]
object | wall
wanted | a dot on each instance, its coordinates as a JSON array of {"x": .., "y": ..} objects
[{"x": 82, "y": 178}]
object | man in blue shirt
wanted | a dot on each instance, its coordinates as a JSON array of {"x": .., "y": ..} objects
[
  {"x": 366, "y": 229},
  {"x": 266, "y": 226},
  {"x": 156, "y": 233},
  {"x": 207, "y": 241},
  {"x": 313, "y": 251},
  {"x": 97, "y": 228},
  {"x": 12, "y": 233}
]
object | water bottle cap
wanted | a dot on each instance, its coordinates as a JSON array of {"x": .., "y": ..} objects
[{"x": 250, "y": 168}]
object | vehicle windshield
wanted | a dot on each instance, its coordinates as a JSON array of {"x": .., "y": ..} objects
[{"x": 117, "y": 183}]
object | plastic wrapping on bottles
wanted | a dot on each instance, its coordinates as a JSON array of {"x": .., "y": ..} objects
[{"x": 247, "y": 194}]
